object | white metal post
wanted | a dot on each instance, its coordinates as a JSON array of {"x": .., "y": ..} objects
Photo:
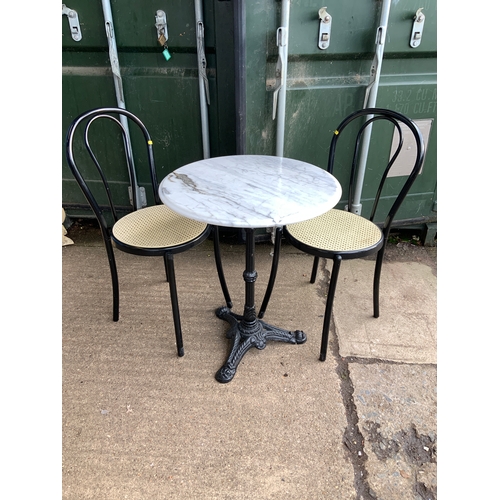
[
  {"x": 283, "y": 48},
  {"x": 370, "y": 102},
  {"x": 117, "y": 78},
  {"x": 202, "y": 78}
]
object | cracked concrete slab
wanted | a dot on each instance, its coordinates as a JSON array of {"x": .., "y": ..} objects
[{"x": 396, "y": 406}]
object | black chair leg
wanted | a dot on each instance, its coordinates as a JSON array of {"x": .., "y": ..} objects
[
  {"x": 220, "y": 271},
  {"x": 376, "y": 282},
  {"x": 329, "y": 306},
  {"x": 166, "y": 266},
  {"x": 114, "y": 278},
  {"x": 314, "y": 270},
  {"x": 169, "y": 262},
  {"x": 274, "y": 270}
]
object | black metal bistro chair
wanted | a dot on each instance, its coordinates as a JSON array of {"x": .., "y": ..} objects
[
  {"x": 150, "y": 231},
  {"x": 341, "y": 234}
]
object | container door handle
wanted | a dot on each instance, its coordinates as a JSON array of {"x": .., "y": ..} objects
[
  {"x": 418, "y": 27},
  {"x": 162, "y": 32},
  {"x": 74, "y": 23},
  {"x": 202, "y": 61},
  {"x": 325, "y": 26},
  {"x": 281, "y": 36}
]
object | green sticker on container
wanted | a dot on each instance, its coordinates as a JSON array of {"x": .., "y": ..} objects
[{"x": 166, "y": 54}]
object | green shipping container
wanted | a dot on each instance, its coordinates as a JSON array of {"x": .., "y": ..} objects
[{"x": 323, "y": 85}]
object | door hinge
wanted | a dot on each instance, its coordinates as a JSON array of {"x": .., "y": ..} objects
[
  {"x": 74, "y": 23},
  {"x": 418, "y": 28},
  {"x": 325, "y": 26}
]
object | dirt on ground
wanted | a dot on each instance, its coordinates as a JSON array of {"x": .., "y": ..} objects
[{"x": 402, "y": 250}]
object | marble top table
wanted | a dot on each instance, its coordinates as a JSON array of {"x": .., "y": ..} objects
[{"x": 250, "y": 191}]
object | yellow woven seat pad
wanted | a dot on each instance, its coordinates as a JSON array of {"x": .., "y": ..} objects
[
  {"x": 337, "y": 231},
  {"x": 156, "y": 227}
]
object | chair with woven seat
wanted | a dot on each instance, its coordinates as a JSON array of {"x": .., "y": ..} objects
[
  {"x": 154, "y": 230},
  {"x": 342, "y": 234}
]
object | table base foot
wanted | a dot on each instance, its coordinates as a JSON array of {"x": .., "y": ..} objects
[{"x": 245, "y": 335}]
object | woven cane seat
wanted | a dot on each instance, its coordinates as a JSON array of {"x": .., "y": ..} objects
[
  {"x": 156, "y": 227},
  {"x": 337, "y": 231}
]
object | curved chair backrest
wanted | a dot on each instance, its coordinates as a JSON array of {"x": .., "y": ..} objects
[
  {"x": 372, "y": 115},
  {"x": 79, "y": 130}
]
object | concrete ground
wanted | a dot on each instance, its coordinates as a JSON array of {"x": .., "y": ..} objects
[{"x": 141, "y": 423}]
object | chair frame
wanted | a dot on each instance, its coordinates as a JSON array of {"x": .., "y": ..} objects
[
  {"x": 371, "y": 115},
  {"x": 86, "y": 119}
]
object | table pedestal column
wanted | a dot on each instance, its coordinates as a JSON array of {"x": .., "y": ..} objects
[{"x": 247, "y": 331}]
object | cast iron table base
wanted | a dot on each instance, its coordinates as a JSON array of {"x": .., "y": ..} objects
[
  {"x": 247, "y": 331},
  {"x": 246, "y": 335}
]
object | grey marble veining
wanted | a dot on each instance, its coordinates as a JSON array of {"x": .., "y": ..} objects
[{"x": 250, "y": 191}]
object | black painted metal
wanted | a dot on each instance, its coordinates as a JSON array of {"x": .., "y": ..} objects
[
  {"x": 169, "y": 260},
  {"x": 376, "y": 283},
  {"x": 394, "y": 117},
  {"x": 83, "y": 124},
  {"x": 314, "y": 270},
  {"x": 274, "y": 270},
  {"x": 247, "y": 331},
  {"x": 337, "y": 260},
  {"x": 218, "y": 263},
  {"x": 370, "y": 116}
]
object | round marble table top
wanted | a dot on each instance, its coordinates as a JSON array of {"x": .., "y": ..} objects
[{"x": 250, "y": 191}]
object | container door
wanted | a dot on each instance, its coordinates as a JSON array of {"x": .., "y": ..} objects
[
  {"x": 163, "y": 94},
  {"x": 325, "y": 85}
]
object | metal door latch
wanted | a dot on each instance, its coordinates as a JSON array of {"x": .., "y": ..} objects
[
  {"x": 281, "y": 41},
  {"x": 162, "y": 32},
  {"x": 325, "y": 26},
  {"x": 202, "y": 60},
  {"x": 74, "y": 23},
  {"x": 418, "y": 27}
]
